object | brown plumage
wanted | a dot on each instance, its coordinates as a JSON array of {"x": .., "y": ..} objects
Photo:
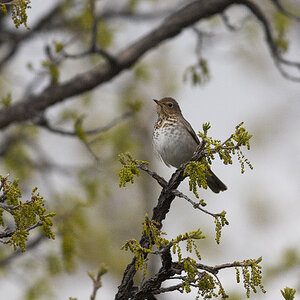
[{"x": 175, "y": 140}]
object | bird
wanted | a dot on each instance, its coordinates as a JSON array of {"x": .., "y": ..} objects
[{"x": 175, "y": 141}]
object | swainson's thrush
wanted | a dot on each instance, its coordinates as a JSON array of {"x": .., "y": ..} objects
[{"x": 175, "y": 140}]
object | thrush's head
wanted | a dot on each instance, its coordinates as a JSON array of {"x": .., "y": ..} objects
[{"x": 167, "y": 107}]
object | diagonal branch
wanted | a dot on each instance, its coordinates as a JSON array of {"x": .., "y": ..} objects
[
  {"x": 30, "y": 245},
  {"x": 5, "y": 234},
  {"x": 194, "y": 204},
  {"x": 160, "y": 180},
  {"x": 275, "y": 52},
  {"x": 30, "y": 106},
  {"x": 43, "y": 122},
  {"x": 283, "y": 10}
]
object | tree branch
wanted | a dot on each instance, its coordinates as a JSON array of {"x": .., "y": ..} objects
[
  {"x": 275, "y": 52},
  {"x": 159, "y": 214},
  {"x": 5, "y": 234},
  {"x": 43, "y": 122},
  {"x": 167, "y": 272},
  {"x": 30, "y": 245},
  {"x": 31, "y": 106},
  {"x": 160, "y": 180},
  {"x": 194, "y": 204},
  {"x": 280, "y": 7},
  {"x": 94, "y": 48}
]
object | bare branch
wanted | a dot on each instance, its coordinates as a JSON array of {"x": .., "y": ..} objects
[
  {"x": 43, "y": 122},
  {"x": 30, "y": 245},
  {"x": 160, "y": 180},
  {"x": 96, "y": 286},
  {"x": 94, "y": 48},
  {"x": 194, "y": 204},
  {"x": 227, "y": 23},
  {"x": 177, "y": 287},
  {"x": 232, "y": 27}
]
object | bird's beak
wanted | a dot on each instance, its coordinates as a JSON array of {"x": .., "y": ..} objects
[{"x": 156, "y": 101}]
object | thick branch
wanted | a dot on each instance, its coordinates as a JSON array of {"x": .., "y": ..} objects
[
  {"x": 33, "y": 105},
  {"x": 156, "y": 281}
]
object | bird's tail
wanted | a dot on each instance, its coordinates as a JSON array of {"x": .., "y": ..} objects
[{"x": 214, "y": 183}]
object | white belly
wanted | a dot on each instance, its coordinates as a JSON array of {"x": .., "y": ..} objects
[{"x": 173, "y": 147}]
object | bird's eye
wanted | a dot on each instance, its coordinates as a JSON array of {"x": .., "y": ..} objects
[{"x": 170, "y": 104}]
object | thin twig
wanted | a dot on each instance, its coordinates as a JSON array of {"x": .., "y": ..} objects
[
  {"x": 91, "y": 151},
  {"x": 231, "y": 27},
  {"x": 94, "y": 48},
  {"x": 177, "y": 287},
  {"x": 227, "y": 23},
  {"x": 160, "y": 180},
  {"x": 194, "y": 204},
  {"x": 6, "y": 206},
  {"x": 289, "y": 14},
  {"x": 224, "y": 143},
  {"x": 43, "y": 122},
  {"x": 4, "y": 234},
  {"x": 224, "y": 295}
]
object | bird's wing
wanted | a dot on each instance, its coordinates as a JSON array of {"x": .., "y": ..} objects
[{"x": 189, "y": 128}]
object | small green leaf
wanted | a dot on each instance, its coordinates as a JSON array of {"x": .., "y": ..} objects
[{"x": 288, "y": 293}]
